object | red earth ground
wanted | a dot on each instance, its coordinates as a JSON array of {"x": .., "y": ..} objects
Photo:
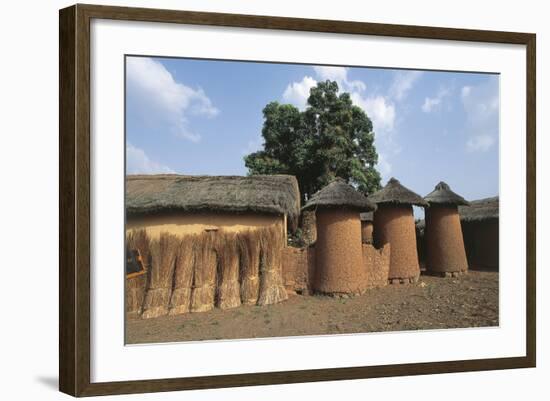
[{"x": 470, "y": 300}]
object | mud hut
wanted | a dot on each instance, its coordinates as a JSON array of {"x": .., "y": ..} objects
[
  {"x": 444, "y": 244},
  {"x": 192, "y": 224},
  {"x": 366, "y": 227},
  {"x": 394, "y": 224},
  {"x": 338, "y": 251},
  {"x": 179, "y": 204},
  {"x": 480, "y": 228}
]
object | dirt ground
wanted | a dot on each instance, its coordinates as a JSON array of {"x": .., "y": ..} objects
[{"x": 433, "y": 303}]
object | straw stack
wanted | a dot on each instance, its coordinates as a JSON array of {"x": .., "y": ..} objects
[
  {"x": 139, "y": 240},
  {"x": 204, "y": 279},
  {"x": 180, "y": 302},
  {"x": 272, "y": 289},
  {"x": 137, "y": 245},
  {"x": 228, "y": 295},
  {"x": 249, "y": 251},
  {"x": 163, "y": 255}
]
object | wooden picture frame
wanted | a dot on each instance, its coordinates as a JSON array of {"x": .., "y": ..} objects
[{"x": 74, "y": 199}]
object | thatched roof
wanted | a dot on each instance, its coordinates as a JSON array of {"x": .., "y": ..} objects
[
  {"x": 368, "y": 216},
  {"x": 479, "y": 210},
  {"x": 395, "y": 193},
  {"x": 272, "y": 194},
  {"x": 339, "y": 194},
  {"x": 443, "y": 195}
]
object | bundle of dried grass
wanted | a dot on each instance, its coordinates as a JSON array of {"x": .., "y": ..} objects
[
  {"x": 272, "y": 289},
  {"x": 204, "y": 279},
  {"x": 135, "y": 292},
  {"x": 228, "y": 295},
  {"x": 137, "y": 252},
  {"x": 139, "y": 240},
  {"x": 163, "y": 255},
  {"x": 180, "y": 302},
  {"x": 248, "y": 243}
]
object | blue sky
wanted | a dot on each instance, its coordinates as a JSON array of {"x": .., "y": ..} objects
[{"x": 201, "y": 117}]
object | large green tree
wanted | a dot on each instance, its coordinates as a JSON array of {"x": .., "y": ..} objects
[{"x": 330, "y": 138}]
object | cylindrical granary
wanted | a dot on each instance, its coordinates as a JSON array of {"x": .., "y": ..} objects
[
  {"x": 445, "y": 252},
  {"x": 366, "y": 228},
  {"x": 394, "y": 224},
  {"x": 339, "y": 254},
  {"x": 339, "y": 267}
]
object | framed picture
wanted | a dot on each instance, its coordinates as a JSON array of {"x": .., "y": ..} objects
[{"x": 249, "y": 200}]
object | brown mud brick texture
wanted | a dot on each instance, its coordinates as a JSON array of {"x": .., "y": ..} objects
[
  {"x": 444, "y": 242},
  {"x": 377, "y": 265},
  {"x": 308, "y": 227},
  {"x": 481, "y": 239},
  {"x": 163, "y": 255},
  {"x": 298, "y": 269},
  {"x": 339, "y": 255},
  {"x": 366, "y": 232},
  {"x": 394, "y": 224}
]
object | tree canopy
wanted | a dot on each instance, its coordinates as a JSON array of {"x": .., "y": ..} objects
[{"x": 331, "y": 138}]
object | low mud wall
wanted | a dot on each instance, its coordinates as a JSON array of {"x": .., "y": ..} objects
[
  {"x": 377, "y": 263},
  {"x": 299, "y": 265}
]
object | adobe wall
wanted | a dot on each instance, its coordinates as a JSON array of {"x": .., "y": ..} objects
[
  {"x": 481, "y": 239},
  {"x": 338, "y": 252},
  {"x": 298, "y": 265},
  {"x": 377, "y": 265},
  {"x": 196, "y": 223},
  {"x": 444, "y": 244},
  {"x": 366, "y": 232},
  {"x": 299, "y": 268},
  {"x": 394, "y": 224}
]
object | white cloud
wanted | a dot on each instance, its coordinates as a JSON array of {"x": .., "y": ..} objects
[
  {"x": 481, "y": 102},
  {"x": 480, "y": 143},
  {"x": 137, "y": 162},
  {"x": 340, "y": 75},
  {"x": 297, "y": 93},
  {"x": 384, "y": 166},
  {"x": 337, "y": 74},
  {"x": 481, "y": 105},
  {"x": 253, "y": 145},
  {"x": 432, "y": 103},
  {"x": 403, "y": 83},
  {"x": 379, "y": 109},
  {"x": 161, "y": 101}
]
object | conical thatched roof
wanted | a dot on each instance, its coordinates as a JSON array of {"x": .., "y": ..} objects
[
  {"x": 480, "y": 210},
  {"x": 272, "y": 194},
  {"x": 339, "y": 194},
  {"x": 397, "y": 194},
  {"x": 443, "y": 195}
]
